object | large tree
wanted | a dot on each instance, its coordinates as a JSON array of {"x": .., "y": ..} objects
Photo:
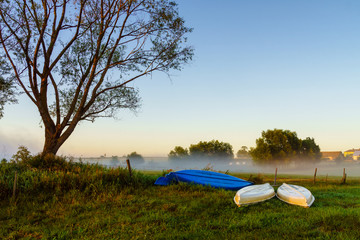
[
  {"x": 74, "y": 59},
  {"x": 276, "y": 146},
  {"x": 284, "y": 146}
]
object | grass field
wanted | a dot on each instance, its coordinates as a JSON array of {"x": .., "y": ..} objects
[{"x": 84, "y": 202}]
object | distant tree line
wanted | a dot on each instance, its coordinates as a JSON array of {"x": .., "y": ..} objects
[
  {"x": 213, "y": 149},
  {"x": 284, "y": 146}
]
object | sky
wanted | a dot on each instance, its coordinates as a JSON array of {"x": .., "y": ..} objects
[{"x": 258, "y": 65}]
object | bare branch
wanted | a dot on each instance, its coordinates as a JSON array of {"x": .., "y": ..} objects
[
  {"x": 57, "y": 100},
  {"x": 17, "y": 75}
]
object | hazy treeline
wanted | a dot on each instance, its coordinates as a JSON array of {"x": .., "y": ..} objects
[
  {"x": 274, "y": 147},
  {"x": 213, "y": 149}
]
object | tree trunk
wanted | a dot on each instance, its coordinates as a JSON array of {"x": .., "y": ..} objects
[
  {"x": 51, "y": 145},
  {"x": 55, "y": 137}
]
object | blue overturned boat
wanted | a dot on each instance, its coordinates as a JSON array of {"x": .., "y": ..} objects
[{"x": 206, "y": 178}]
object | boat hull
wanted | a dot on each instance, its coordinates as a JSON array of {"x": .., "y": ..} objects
[
  {"x": 295, "y": 195},
  {"x": 205, "y": 178},
  {"x": 254, "y": 194}
]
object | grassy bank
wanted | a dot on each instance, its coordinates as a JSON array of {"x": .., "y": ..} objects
[{"x": 91, "y": 202}]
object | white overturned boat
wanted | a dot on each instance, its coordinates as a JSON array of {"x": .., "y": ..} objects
[
  {"x": 254, "y": 194},
  {"x": 295, "y": 195}
]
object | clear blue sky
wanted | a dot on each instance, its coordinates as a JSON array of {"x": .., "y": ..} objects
[{"x": 258, "y": 65}]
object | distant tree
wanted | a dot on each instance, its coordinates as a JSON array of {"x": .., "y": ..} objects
[
  {"x": 178, "y": 153},
  {"x": 261, "y": 153},
  {"x": 134, "y": 156},
  {"x": 310, "y": 150},
  {"x": 276, "y": 146},
  {"x": 212, "y": 149},
  {"x": 243, "y": 152},
  {"x": 283, "y": 146},
  {"x": 206, "y": 150}
]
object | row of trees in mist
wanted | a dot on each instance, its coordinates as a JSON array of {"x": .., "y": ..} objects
[
  {"x": 133, "y": 157},
  {"x": 274, "y": 147},
  {"x": 203, "y": 150}
]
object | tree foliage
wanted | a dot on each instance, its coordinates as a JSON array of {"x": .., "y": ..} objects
[
  {"x": 243, "y": 152},
  {"x": 7, "y": 88},
  {"x": 213, "y": 149},
  {"x": 75, "y": 60},
  {"x": 283, "y": 146},
  {"x": 178, "y": 153},
  {"x": 7, "y": 94},
  {"x": 309, "y": 149}
]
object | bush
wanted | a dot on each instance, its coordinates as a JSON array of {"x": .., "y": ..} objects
[{"x": 49, "y": 161}]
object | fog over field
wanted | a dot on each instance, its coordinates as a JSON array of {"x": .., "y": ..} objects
[{"x": 236, "y": 166}]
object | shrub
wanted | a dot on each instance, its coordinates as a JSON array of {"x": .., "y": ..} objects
[
  {"x": 49, "y": 161},
  {"x": 22, "y": 155}
]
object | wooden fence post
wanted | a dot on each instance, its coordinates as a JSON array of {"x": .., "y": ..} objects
[
  {"x": 275, "y": 176},
  {"x": 315, "y": 175},
  {"x": 343, "y": 180},
  {"x": 129, "y": 166},
  {"x": 14, "y": 188}
]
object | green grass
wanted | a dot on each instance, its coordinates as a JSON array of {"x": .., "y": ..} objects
[{"x": 99, "y": 203}]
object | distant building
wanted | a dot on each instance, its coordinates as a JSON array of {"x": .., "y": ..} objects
[
  {"x": 349, "y": 153},
  {"x": 356, "y": 155},
  {"x": 332, "y": 156}
]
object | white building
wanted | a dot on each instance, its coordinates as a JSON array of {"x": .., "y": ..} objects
[{"x": 356, "y": 155}]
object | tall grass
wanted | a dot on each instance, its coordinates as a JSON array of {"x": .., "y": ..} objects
[{"x": 64, "y": 176}]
